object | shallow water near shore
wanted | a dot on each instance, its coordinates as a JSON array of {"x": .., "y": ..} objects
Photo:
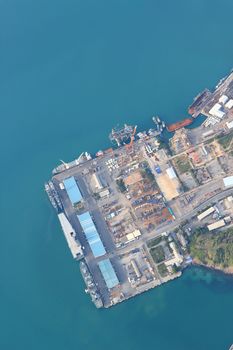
[{"x": 70, "y": 71}]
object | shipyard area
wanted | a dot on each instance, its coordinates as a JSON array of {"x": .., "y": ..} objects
[{"x": 128, "y": 212}]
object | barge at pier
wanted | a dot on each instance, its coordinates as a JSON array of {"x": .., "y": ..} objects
[{"x": 179, "y": 125}]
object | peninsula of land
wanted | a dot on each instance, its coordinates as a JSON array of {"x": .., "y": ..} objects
[{"x": 137, "y": 214}]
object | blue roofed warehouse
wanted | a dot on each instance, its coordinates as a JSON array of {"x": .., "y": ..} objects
[
  {"x": 108, "y": 273},
  {"x": 72, "y": 190},
  {"x": 91, "y": 234}
]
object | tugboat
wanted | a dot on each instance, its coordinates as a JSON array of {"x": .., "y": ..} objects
[{"x": 91, "y": 286}]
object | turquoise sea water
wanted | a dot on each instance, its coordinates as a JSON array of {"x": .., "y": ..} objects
[{"x": 69, "y": 71}]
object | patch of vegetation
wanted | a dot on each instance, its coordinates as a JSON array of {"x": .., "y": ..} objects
[
  {"x": 155, "y": 241},
  {"x": 157, "y": 254},
  {"x": 225, "y": 140},
  {"x": 213, "y": 249},
  {"x": 121, "y": 185},
  {"x": 210, "y": 140},
  {"x": 147, "y": 173},
  {"x": 183, "y": 164},
  {"x": 165, "y": 145},
  {"x": 176, "y": 268},
  {"x": 162, "y": 269}
]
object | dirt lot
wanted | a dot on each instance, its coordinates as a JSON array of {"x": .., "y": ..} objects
[{"x": 169, "y": 187}]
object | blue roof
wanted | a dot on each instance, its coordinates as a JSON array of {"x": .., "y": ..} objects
[
  {"x": 108, "y": 273},
  {"x": 72, "y": 190},
  {"x": 91, "y": 234}
]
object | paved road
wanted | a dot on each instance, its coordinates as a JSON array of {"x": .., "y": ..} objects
[{"x": 166, "y": 228}]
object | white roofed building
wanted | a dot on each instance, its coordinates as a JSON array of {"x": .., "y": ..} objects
[
  {"x": 171, "y": 173},
  {"x": 223, "y": 99},
  {"x": 229, "y": 125},
  {"x": 229, "y": 104},
  {"x": 228, "y": 181}
]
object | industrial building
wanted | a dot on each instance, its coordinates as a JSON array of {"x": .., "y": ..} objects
[
  {"x": 108, "y": 273},
  {"x": 70, "y": 236},
  {"x": 228, "y": 181},
  {"x": 215, "y": 225},
  {"x": 72, "y": 190},
  {"x": 223, "y": 99},
  {"x": 230, "y": 124},
  {"x": 205, "y": 213},
  {"x": 96, "y": 182},
  {"x": 216, "y": 111},
  {"x": 91, "y": 234},
  {"x": 229, "y": 104},
  {"x": 133, "y": 235}
]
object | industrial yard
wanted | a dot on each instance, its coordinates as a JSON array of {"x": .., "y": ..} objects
[{"x": 127, "y": 213}]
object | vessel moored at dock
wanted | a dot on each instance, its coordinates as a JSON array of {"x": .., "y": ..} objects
[
  {"x": 179, "y": 125},
  {"x": 91, "y": 286},
  {"x": 53, "y": 196}
]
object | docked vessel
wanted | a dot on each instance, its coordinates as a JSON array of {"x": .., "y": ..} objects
[
  {"x": 91, "y": 286},
  {"x": 121, "y": 135},
  {"x": 179, "y": 125},
  {"x": 160, "y": 125},
  {"x": 84, "y": 156},
  {"x": 53, "y": 196},
  {"x": 195, "y": 108}
]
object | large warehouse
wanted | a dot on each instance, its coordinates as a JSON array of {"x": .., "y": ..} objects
[
  {"x": 108, "y": 273},
  {"x": 91, "y": 234},
  {"x": 72, "y": 190}
]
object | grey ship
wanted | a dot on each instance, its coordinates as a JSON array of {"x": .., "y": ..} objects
[
  {"x": 53, "y": 196},
  {"x": 91, "y": 286}
]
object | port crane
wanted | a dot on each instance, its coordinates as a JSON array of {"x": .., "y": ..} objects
[{"x": 64, "y": 163}]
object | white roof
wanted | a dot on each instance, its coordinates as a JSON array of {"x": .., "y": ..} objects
[
  {"x": 70, "y": 234},
  {"x": 229, "y": 104},
  {"x": 216, "y": 224},
  {"x": 216, "y": 111},
  {"x": 171, "y": 173},
  {"x": 230, "y": 125},
  {"x": 96, "y": 181},
  {"x": 205, "y": 213},
  {"x": 130, "y": 237},
  {"x": 223, "y": 99},
  {"x": 228, "y": 181}
]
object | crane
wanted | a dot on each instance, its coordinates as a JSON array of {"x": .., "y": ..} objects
[{"x": 65, "y": 164}]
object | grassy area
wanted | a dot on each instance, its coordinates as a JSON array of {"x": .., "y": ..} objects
[
  {"x": 225, "y": 140},
  {"x": 155, "y": 241},
  {"x": 157, "y": 254},
  {"x": 162, "y": 269},
  {"x": 182, "y": 164},
  {"x": 213, "y": 249}
]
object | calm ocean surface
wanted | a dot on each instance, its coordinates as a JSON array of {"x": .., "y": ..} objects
[{"x": 69, "y": 71}]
